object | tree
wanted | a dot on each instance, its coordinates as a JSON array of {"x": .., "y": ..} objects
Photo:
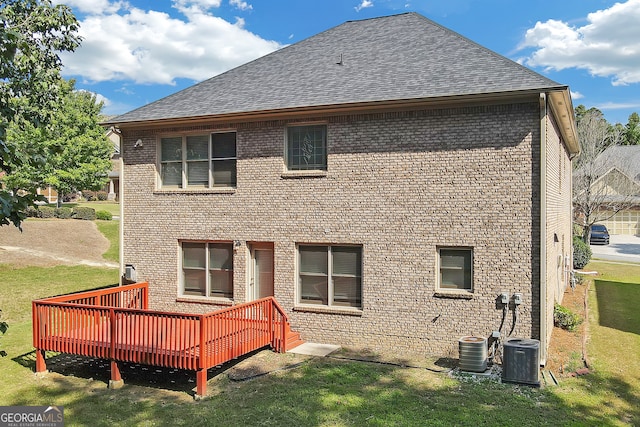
[
  {"x": 32, "y": 32},
  {"x": 600, "y": 186},
  {"x": 76, "y": 148},
  {"x": 632, "y": 130}
]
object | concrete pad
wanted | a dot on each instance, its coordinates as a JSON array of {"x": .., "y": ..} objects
[{"x": 314, "y": 349}]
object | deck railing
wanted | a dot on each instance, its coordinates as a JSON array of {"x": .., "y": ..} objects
[{"x": 115, "y": 324}]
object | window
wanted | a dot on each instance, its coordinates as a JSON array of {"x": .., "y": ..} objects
[
  {"x": 207, "y": 269},
  {"x": 307, "y": 147},
  {"x": 456, "y": 268},
  {"x": 198, "y": 161},
  {"x": 330, "y": 275}
]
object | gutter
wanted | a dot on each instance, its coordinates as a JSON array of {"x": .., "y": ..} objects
[
  {"x": 543, "y": 230},
  {"x": 121, "y": 201},
  {"x": 449, "y": 101}
]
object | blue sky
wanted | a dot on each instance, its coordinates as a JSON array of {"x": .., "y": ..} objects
[{"x": 135, "y": 52}]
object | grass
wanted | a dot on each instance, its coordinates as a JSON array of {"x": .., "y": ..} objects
[
  {"x": 111, "y": 230},
  {"x": 611, "y": 392},
  {"x": 112, "y": 207},
  {"x": 330, "y": 391}
]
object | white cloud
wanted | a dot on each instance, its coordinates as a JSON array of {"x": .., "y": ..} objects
[
  {"x": 200, "y": 4},
  {"x": 242, "y": 5},
  {"x": 363, "y": 4},
  {"x": 607, "y": 46},
  {"x": 148, "y": 46},
  {"x": 618, "y": 106},
  {"x": 576, "y": 95},
  {"x": 94, "y": 7}
]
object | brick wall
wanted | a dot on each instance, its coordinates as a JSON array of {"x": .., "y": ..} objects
[
  {"x": 558, "y": 234},
  {"x": 399, "y": 184}
]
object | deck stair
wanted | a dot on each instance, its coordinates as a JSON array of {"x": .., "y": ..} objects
[{"x": 293, "y": 338}]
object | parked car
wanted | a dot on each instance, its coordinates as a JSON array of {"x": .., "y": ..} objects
[{"x": 599, "y": 235}]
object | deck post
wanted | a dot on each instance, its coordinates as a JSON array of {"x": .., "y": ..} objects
[
  {"x": 41, "y": 365},
  {"x": 116, "y": 379},
  {"x": 201, "y": 383}
]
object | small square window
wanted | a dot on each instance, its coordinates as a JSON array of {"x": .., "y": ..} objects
[
  {"x": 307, "y": 147},
  {"x": 455, "y": 269}
]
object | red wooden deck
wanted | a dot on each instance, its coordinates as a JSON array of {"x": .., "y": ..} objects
[{"x": 115, "y": 324}]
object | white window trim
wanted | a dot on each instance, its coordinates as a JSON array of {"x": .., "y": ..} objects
[
  {"x": 206, "y": 297},
  {"x": 161, "y": 188},
  {"x": 330, "y": 292},
  {"x": 439, "y": 288}
]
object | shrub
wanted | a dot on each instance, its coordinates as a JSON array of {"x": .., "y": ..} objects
[
  {"x": 102, "y": 195},
  {"x": 578, "y": 230},
  {"x": 64, "y": 213},
  {"x": 47, "y": 212},
  {"x": 32, "y": 212},
  {"x": 104, "y": 215},
  {"x": 89, "y": 196},
  {"x": 83, "y": 212},
  {"x": 565, "y": 318},
  {"x": 581, "y": 253}
]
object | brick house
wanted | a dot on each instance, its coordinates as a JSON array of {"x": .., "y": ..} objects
[{"x": 386, "y": 180}]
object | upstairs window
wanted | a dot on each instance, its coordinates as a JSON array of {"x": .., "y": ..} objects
[
  {"x": 198, "y": 161},
  {"x": 307, "y": 148}
]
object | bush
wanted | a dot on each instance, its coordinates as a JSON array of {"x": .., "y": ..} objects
[
  {"x": 85, "y": 213},
  {"x": 102, "y": 195},
  {"x": 578, "y": 230},
  {"x": 104, "y": 215},
  {"x": 47, "y": 212},
  {"x": 89, "y": 196},
  {"x": 565, "y": 318},
  {"x": 64, "y": 213},
  {"x": 32, "y": 212},
  {"x": 581, "y": 253}
]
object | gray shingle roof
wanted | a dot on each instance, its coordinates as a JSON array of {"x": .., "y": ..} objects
[
  {"x": 625, "y": 158},
  {"x": 396, "y": 57}
]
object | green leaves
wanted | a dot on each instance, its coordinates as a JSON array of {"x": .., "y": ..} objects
[
  {"x": 70, "y": 153},
  {"x": 32, "y": 33}
]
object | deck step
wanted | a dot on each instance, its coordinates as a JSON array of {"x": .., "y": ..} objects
[{"x": 293, "y": 340}]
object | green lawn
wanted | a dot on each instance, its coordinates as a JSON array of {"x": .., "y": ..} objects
[
  {"x": 327, "y": 391},
  {"x": 112, "y": 207},
  {"x": 612, "y": 391},
  {"x": 111, "y": 230}
]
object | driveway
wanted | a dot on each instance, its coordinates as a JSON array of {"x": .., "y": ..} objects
[{"x": 621, "y": 248}]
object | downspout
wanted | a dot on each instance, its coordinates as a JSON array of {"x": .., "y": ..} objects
[
  {"x": 543, "y": 229},
  {"x": 121, "y": 228}
]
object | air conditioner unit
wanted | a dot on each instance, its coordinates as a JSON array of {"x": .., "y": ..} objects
[
  {"x": 521, "y": 361},
  {"x": 473, "y": 354},
  {"x": 130, "y": 273}
]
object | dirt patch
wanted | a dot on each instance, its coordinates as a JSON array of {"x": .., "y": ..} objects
[
  {"x": 566, "y": 351},
  {"x": 47, "y": 243}
]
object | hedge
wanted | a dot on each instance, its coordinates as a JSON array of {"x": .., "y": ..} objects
[
  {"x": 104, "y": 215},
  {"x": 83, "y": 212}
]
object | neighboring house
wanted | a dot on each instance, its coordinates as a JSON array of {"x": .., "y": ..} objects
[
  {"x": 386, "y": 180},
  {"x": 618, "y": 186},
  {"x": 113, "y": 188},
  {"x": 49, "y": 193}
]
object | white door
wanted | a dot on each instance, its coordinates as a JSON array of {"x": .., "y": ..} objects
[{"x": 261, "y": 284}]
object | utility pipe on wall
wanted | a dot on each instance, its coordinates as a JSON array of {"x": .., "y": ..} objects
[{"x": 543, "y": 229}]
